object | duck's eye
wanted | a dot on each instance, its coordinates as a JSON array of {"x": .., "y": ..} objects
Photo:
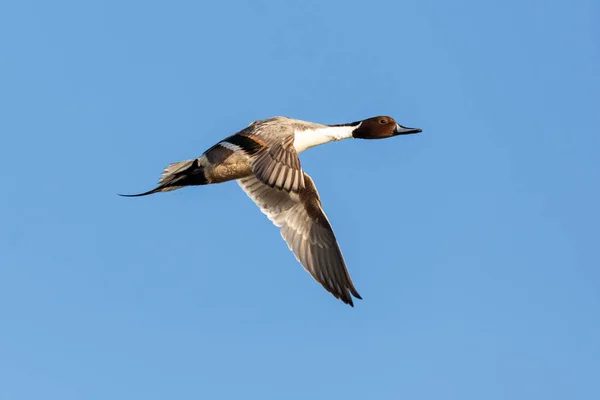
[{"x": 383, "y": 121}]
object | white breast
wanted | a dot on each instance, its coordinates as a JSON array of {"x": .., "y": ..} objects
[{"x": 313, "y": 137}]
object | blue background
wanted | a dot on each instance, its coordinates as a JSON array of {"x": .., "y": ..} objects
[{"x": 474, "y": 244}]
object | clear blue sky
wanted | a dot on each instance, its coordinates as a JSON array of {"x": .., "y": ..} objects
[{"x": 474, "y": 244}]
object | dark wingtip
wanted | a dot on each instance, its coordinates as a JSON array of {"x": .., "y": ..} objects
[
  {"x": 355, "y": 292},
  {"x": 348, "y": 299}
]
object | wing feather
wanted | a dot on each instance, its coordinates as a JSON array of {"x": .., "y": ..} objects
[{"x": 307, "y": 232}]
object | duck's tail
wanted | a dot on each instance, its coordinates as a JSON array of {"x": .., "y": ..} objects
[{"x": 176, "y": 176}]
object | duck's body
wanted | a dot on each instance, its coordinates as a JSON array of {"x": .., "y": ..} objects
[{"x": 263, "y": 158}]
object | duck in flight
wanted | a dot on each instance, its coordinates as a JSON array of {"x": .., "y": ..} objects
[{"x": 263, "y": 159}]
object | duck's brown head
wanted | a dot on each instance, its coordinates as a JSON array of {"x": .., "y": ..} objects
[{"x": 380, "y": 128}]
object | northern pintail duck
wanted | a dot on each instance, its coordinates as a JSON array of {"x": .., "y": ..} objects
[{"x": 263, "y": 158}]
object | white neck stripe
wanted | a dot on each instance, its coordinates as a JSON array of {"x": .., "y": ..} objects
[{"x": 313, "y": 137}]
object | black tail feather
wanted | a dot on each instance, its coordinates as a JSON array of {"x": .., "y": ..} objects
[
  {"x": 158, "y": 189},
  {"x": 176, "y": 176}
]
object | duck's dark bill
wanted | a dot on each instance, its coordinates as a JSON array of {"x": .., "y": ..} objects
[{"x": 402, "y": 130}]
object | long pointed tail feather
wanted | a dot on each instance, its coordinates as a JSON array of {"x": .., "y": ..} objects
[
  {"x": 176, "y": 176},
  {"x": 158, "y": 189}
]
